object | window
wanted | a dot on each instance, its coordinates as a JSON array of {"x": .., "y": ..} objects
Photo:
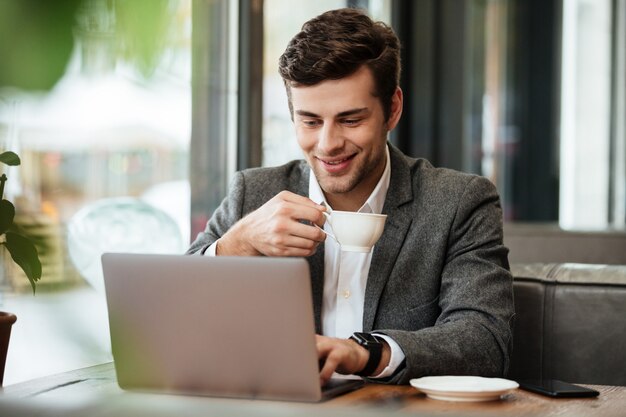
[
  {"x": 103, "y": 132},
  {"x": 529, "y": 93},
  {"x": 585, "y": 114},
  {"x": 105, "y": 162}
]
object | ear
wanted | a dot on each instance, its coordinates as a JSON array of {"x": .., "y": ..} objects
[{"x": 396, "y": 109}]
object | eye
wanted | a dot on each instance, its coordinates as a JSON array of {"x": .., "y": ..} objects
[
  {"x": 310, "y": 122},
  {"x": 351, "y": 122}
]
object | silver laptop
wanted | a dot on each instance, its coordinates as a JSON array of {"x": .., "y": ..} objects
[{"x": 220, "y": 326}]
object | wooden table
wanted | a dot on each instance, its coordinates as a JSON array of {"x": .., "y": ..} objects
[
  {"x": 94, "y": 392},
  {"x": 610, "y": 402}
]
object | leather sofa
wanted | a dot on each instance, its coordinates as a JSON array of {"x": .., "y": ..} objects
[
  {"x": 570, "y": 323},
  {"x": 548, "y": 243}
]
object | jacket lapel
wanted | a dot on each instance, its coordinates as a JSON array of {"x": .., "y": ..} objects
[
  {"x": 316, "y": 266},
  {"x": 399, "y": 218},
  {"x": 316, "y": 261}
]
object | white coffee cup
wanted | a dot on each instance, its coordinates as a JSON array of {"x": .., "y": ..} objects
[{"x": 355, "y": 232}]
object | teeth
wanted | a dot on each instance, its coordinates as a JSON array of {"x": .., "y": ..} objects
[{"x": 336, "y": 162}]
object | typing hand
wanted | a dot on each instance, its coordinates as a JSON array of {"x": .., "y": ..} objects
[
  {"x": 275, "y": 229},
  {"x": 339, "y": 355}
]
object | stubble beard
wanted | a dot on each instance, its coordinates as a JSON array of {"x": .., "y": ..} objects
[{"x": 337, "y": 184}]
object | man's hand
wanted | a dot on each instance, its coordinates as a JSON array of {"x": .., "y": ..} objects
[
  {"x": 275, "y": 229},
  {"x": 345, "y": 356}
]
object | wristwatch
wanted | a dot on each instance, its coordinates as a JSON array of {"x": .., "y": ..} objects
[{"x": 374, "y": 346}]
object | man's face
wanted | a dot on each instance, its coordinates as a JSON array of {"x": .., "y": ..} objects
[{"x": 342, "y": 131}]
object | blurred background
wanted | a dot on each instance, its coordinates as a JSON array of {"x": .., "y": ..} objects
[{"x": 132, "y": 115}]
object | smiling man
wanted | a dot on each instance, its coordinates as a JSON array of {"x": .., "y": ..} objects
[
  {"x": 342, "y": 130},
  {"x": 434, "y": 297}
]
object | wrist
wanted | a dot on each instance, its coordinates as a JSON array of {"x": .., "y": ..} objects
[
  {"x": 372, "y": 349},
  {"x": 363, "y": 356},
  {"x": 233, "y": 243}
]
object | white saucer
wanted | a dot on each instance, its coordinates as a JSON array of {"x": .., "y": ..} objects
[{"x": 463, "y": 388}]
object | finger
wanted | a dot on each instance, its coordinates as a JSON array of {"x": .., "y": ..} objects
[
  {"x": 297, "y": 220},
  {"x": 308, "y": 232},
  {"x": 322, "y": 218},
  {"x": 293, "y": 234},
  {"x": 328, "y": 361},
  {"x": 298, "y": 211},
  {"x": 289, "y": 252},
  {"x": 297, "y": 242},
  {"x": 287, "y": 218},
  {"x": 288, "y": 245},
  {"x": 331, "y": 363},
  {"x": 299, "y": 199}
]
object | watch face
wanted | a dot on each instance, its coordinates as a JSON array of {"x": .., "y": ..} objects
[
  {"x": 374, "y": 346},
  {"x": 366, "y": 338}
]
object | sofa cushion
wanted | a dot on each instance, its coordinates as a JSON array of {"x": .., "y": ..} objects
[
  {"x": 547, "y": 242},
  {"x": 570, "y": 323}
]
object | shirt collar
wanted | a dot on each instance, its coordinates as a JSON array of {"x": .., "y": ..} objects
[{"x": 376, "y": 200}]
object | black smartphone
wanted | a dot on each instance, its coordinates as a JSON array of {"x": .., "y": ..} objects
[{"x": 556, "y": 388}]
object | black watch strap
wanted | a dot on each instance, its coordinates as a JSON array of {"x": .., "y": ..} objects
[{"x": 374, "y": 346}]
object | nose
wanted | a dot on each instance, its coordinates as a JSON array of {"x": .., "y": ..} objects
[{"x": 330, "y": 139}]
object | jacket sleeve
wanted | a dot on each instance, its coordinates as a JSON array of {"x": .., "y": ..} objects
[
  {"x": 226, "y": 215},
  {"x": 473, "y": 333}
]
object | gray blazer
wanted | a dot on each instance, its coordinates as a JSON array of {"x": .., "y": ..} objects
[{"x": 439, "y": 281}]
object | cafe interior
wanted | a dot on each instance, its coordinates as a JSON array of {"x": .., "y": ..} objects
[{"x": 137, "y": 114}]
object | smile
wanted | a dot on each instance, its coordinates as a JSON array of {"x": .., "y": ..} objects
[
  {"x": 336, "y": 162},
  {"x": 336, "y": 165}
]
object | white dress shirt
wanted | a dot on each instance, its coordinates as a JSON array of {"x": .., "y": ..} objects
[
  {"x": 345, "y": 275},
  {"x": 344, "y": 285}
]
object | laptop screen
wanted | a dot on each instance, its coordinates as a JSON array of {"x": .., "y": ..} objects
[{"x": 224, "y": 326}]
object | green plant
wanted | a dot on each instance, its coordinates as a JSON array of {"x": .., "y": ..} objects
[
  {"x": 37, "y": 37},
  {"x": 22, "y": 250}
]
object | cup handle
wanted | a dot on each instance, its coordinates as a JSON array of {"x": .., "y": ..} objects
[{"x": 331, "y": 226}]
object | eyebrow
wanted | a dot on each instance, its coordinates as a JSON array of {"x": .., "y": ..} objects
[{"x": 346, "y": 113}]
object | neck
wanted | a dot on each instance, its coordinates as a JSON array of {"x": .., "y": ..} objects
[{"x": 341, "y": 203}]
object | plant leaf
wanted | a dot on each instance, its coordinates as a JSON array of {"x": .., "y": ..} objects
[
  {"x": 7, "y": 213},
  {"x": 10, "y": 158},
  {"x": 142, "y": 29},
  {"x": 38, "y": 57},
  {"x": 25, "y": 255}
]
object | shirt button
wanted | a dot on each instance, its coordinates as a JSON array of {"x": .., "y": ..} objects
[{"x": 346, "y": 294}]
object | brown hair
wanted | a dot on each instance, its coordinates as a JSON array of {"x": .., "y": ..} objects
[{"x": 335, "y": 45}]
